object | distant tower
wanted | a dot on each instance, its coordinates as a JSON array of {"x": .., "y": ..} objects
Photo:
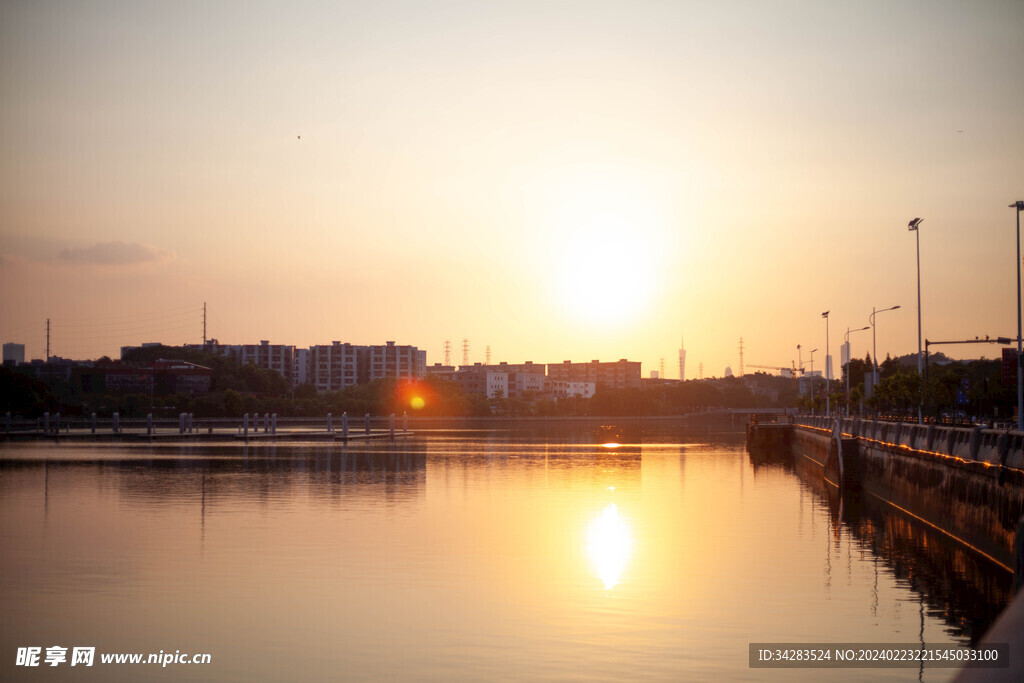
[
  {"x": 700, "y": 370},
  {"x": 487, "y": 357},
  {"x": 682, "y": 360},
  {"x": 741, "y": 357},
  {"x": 661, "y": 371},
  {"x": 465, "y": 353},
  {"x": 447, "y": 352},
  {"x": 728, "y": 371}
]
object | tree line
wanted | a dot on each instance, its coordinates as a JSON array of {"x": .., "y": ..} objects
[{"x": 953, "y": 390}]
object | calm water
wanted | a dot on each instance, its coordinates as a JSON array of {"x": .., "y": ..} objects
[{"x": 481, "y": 555}]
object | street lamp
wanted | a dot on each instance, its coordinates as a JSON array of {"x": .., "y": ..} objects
[
  {"x": 849, "y": 356},
  {"x": 828, "y": 374},
  {"x": 874, "y": 346},
  {"x": 812, "y": 381},
  {"x": 913, "y": 227},
  {"x": 1019, "y": 205}
]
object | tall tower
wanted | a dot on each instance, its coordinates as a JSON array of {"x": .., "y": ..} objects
[
  {"x": 465, "y": 353},
  {"x": 661, "y": 369},
  {"x": 682, "y": 359},
  {"x": 741, "y": 357},
  {"x": 447, "y": 352},
  {"x": 700, "y": 370},
  {"x": 487, "y": 356}
]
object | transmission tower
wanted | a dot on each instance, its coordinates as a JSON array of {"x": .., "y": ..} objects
[
  {"x": 741, "y": 357},
  {"x": 204, "y": 324},
  {"x": 487, "y": 356},
  {"x": 447, "y": 352},
  {"x": 700, "y": 370},
  {"x": 465, "y": 353},
  {"x": 661, "y": 371},
  {"x": 47, "y": 340}
]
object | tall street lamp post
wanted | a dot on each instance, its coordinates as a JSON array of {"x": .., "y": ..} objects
[
  {"x": 913, "y": 227},
  {"x": 1019, "y": 205},
  {"x": 874, "y": 346},
  {"x": 812, "y": 381},
  {"x": 849, "y": 357},
  {"x": 828, "y": 374}
]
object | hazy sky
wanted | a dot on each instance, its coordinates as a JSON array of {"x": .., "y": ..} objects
[{"x": 567, "y": 180}]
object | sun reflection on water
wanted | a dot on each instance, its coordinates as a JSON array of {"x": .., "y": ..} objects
[{"x": 609, "y": 543}]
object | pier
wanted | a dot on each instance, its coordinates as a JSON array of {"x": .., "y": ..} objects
[{"x": 187, "y": 429}]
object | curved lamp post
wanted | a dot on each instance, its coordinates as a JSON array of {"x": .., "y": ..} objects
[
  {"x": 828, "y": 373},
  {"x": 874, "y": 346},
  {"x": 1019, "y": 205},
  {"x": 849, "y": 357},
  {"x": 812, "y": 381},
  {"x": 913, "y": 227}
]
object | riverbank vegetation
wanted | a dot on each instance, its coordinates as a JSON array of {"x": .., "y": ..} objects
[{"x": 953, "y": 390}]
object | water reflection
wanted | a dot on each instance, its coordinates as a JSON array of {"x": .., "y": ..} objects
[
  {"x": 484, "y": 556},
  {"x": 609, "y": 543},
  {"x": 952, "y": 583}
]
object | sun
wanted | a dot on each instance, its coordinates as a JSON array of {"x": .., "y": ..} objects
[
  {"x": 608, "y": 235},
  {"x": 606, "y": 278}
]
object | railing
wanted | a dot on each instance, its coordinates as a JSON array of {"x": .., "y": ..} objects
[{"x": 992, "y": 446}]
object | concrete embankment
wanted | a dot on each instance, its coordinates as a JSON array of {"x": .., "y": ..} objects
[{"x": 967, "y": 482}]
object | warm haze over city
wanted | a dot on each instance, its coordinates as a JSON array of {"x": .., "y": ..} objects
[{"x": 567, "y": 180}]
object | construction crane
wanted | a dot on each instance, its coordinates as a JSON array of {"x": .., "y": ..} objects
[{"x": 792, "y": 369}]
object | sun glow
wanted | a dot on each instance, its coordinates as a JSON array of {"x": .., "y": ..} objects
[
  {"x": 609, "y": 229},
  {"x": 609, "y": 544}
]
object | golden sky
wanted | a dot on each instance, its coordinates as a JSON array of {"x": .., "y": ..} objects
[{"x": 571, "y": 180}]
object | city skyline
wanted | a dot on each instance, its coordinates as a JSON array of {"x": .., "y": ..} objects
[{"x": 569, "y": 182}]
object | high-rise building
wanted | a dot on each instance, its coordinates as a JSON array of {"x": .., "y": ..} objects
[
  {"x": 277, "y": 357},
  {"x": 14, "y": 353},
  {"x": 398, "y": 362},
  {"x": 333, "y": 367},
  {"x": 682, "y": 359}
]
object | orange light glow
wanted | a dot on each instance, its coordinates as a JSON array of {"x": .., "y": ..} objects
[{"x": 417, "y": 403}]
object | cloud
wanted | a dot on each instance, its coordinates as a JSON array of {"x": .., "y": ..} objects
[{"x": 113, "y": 254}]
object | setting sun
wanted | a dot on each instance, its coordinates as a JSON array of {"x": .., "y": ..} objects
[{"x": 608, "y": 228}]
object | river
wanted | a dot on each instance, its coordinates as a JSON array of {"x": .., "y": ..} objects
[{"x": 582, "y": 553}]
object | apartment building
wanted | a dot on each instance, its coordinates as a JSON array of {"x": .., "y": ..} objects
[{"x": 622, "y": 374}]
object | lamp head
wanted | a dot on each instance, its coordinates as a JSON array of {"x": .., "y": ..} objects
[
  {"x": 1019, "y": 205},
  {"x": 825, "y": 314},
  {"x": 912, "y": 225}
]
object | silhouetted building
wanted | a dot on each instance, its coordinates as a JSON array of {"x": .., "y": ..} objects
[{"x": 14, "y": 354}]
